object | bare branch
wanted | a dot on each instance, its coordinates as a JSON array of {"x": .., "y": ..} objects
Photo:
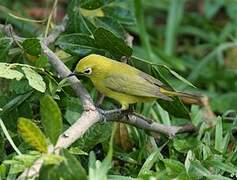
[
  {"x": 147, "y": 124},
  {"x": 87, "y": 119}
]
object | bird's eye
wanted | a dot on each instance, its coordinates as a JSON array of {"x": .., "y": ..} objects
[{"x": 88, "y": 71}]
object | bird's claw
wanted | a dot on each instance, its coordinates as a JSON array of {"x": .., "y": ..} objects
[{"x": 103, "y": 118}]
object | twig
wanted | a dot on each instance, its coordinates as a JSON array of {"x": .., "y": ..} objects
[
  {"x": 100, "y": 99},
  {"x": 50, "y": 17},
  {"x": 147, "y": 124}
]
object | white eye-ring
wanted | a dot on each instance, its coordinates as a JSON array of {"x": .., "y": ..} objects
[{"x": 87, "y": 71}]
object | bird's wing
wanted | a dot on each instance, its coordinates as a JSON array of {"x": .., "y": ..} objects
[
  {"x": 151, "y": 79},
  {"x": 133, "y": 85}
]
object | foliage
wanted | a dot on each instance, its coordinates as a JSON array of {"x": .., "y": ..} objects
[{"x": 189, "y": 45}]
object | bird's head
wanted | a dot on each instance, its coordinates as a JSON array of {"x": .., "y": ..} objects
[{"x": 91, "y": 65}]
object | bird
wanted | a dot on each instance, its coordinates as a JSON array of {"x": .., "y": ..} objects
[{"x": 122, "y": 82}]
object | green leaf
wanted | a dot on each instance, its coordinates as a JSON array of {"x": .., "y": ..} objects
[
  {"x": 211, "y": 8},
  {"x": 20, "y": 87},
  {"x": 31, "y": 133},
  {"x": 121, "y": 14},
  {"x": 51, "y": 118},
  {"x": 16, "y": 101},
  {"x": 7, "y": 72},
  {"x": 118, "y": 177},
  {"x": 176, "y": 10},
  {"x": 224, "y": 102},
  {"x": 225, "y": 166},
  {"x": 189, "y": 158},
  {"x": 77, "y": 151},
  {"x": 73, "y": 166},
  {"x": 35, "y": 80},
  {"x": 50, "y": 159},
  {"x": 111, "y": 25},
  {"x": 184, "y": 145},
  {"x": 98, "y": 133},
  {"x": 93, "y": 4},
  {"x": 78, "y": 44},
  {"x": 21, "y": 162},
  {"x": 109, "y": 41},
  {"x": 49, "y": 172},
  {"x": 3, "y": 171},
  {"x": 218, "y": 135},
  {"x": 97, "y": 169},
  {"x": 78, "y": 23},
  {"x": 180, "y": 77},
  {"x": 32, "y": 46},
  {"x": 150, "y": 161},
  {"x": 200, "y": 169},
  {"x": 5, "y": 44},
  {"x": 174, "y": 166}
]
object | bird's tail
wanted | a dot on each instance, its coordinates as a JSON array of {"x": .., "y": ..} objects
[{"x": 185, "y": 97}]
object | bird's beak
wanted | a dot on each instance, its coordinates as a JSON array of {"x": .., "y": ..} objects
[
  {"x": 72, "y": 74},
  {"x": 78, "y": 74}
]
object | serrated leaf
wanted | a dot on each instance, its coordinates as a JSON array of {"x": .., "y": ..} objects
[
  {"x": 109, "y": 41},
  {"x": 35, "y": 80},
  {"x": 78, "y": 44},
  {"x": 31, "y": 133},
  {"x": 32, "y": 46},
  {"x": 8, "y": 73},
  {"x": 51, "y": 118}
]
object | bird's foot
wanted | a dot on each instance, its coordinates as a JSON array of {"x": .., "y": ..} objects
[{"x": 105, "y": 113}]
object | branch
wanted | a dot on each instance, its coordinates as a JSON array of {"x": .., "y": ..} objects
[{"x": 147, "y": 124}]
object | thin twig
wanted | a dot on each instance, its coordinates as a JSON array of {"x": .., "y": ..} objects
[
  {"x": 50, "y": 17},
  {"x": 147, "y": 124}
]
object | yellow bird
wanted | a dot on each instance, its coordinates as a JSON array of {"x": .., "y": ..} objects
[{"x": 122, "y": 82}]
